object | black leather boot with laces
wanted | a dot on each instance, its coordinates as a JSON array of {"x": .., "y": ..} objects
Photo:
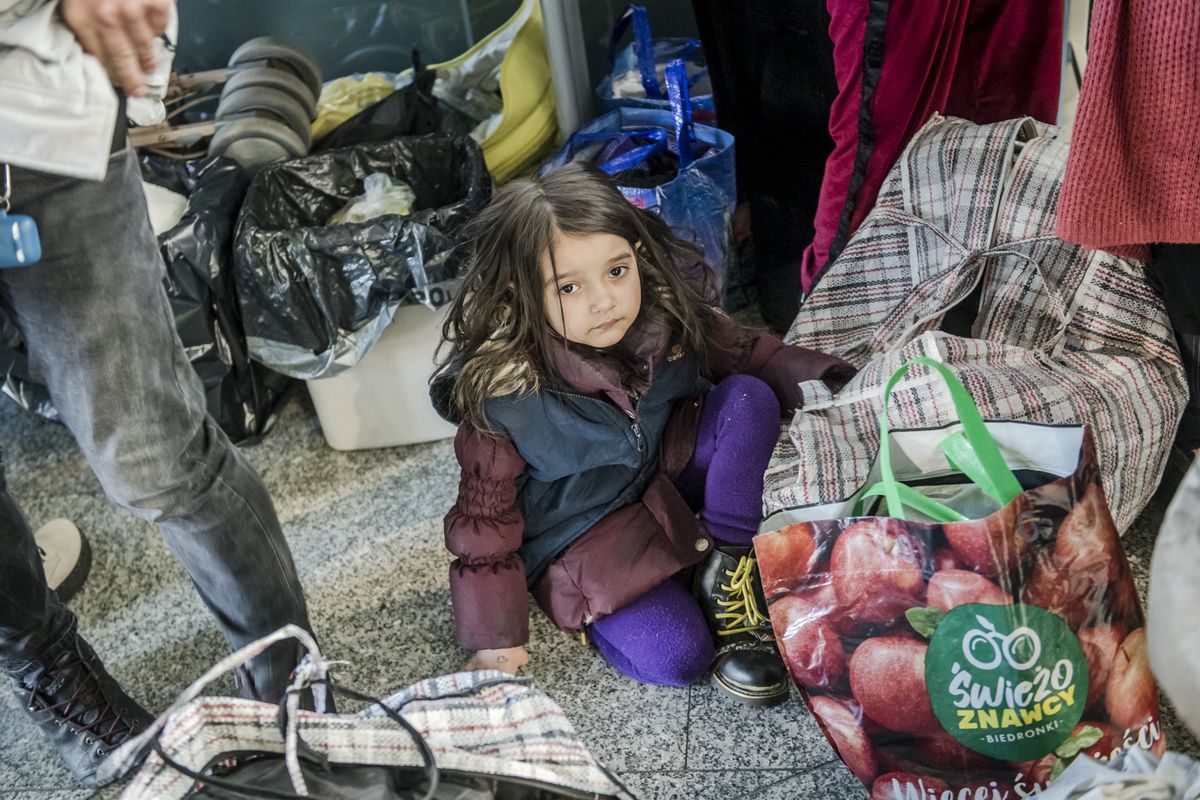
[
  {"x": 747, "y": 666},
  {"x": 79, "y": 706}
]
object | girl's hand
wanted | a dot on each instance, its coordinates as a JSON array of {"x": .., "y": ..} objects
[{"x": 508, "y": 659}]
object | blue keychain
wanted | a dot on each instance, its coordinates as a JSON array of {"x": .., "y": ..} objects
[{"x": 20, "y": 245}]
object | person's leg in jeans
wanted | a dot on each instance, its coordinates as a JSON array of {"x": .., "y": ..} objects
[
  {"x": 96, "y": 318},
  {"x": 739, "y": 425}
]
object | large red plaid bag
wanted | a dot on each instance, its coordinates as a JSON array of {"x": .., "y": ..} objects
[{"x": 1058, "y": 334}]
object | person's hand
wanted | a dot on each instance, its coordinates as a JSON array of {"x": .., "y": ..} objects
[
  {"x": 121, "y": 34},
  {"x": 508, "y": 659}
]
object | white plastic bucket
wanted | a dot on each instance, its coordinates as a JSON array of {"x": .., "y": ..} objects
[{"x": 383, "y": 401}]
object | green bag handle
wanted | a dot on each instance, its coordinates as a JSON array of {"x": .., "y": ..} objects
[{"x": 971, "y": 451}]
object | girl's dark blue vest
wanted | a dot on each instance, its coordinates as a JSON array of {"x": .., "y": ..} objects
[{"x": 586, "y": 456}]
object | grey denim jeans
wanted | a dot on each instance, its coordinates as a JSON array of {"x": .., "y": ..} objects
[{"x": 99, "y": 328}]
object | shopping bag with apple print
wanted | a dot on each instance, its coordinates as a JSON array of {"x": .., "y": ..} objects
[{"x": 967, "y": 620}]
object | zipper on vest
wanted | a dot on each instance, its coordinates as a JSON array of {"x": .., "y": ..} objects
[
  {"x": 637, "y": 431},
  {"x": 634, "y": 399},
  {"x": 633, "y": 418}
]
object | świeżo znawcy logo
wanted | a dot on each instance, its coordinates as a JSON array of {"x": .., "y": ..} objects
[{"x": 1010, "y": 682}]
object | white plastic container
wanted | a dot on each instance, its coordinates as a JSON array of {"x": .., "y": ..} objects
[{"x": 383, "y": 400}]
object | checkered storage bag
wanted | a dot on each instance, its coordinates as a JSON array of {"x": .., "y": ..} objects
[
  {"x": 1064, "y": 335},
  {"x": 471, "y": 735}
]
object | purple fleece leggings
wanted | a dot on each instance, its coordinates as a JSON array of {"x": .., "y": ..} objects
[{"x": 662, "y": 637}]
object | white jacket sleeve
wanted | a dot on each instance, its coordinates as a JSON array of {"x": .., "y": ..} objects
[
  {"x": 1173, "y": 638},
  {"x": 57, "y": 105}
]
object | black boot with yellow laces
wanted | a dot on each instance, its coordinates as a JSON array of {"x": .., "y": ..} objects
[{"x": 747, "y": 665}]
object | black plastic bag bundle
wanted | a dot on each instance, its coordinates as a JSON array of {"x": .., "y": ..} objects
[
  {"x": 411, "y": 110},
  {"x": 315, "y": 297},
  {"x": 243, "y": 397}
]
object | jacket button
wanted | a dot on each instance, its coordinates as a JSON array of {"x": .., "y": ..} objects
[{"x": 702, "y": 545}]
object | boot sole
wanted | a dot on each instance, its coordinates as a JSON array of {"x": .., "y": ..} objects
[
  {"x": 75, "y": 580},
  {"x": 752, "y": 698}
]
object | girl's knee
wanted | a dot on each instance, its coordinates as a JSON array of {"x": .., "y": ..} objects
[
  {"x": 661, "y": 638},
  {"x": 745, "y": 394},
  {"x": 680, "y": 663},
  {"x": 679, "y": 660}
]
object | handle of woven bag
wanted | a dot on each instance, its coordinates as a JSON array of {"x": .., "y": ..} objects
[
  {"x": 294, "y": 745},
  {"x": 656, "y": 143},
  {"x": 317, "y": 669},
  {"x": 658, "y": 139},
  {"x": 240, "y": 658},
  {"x": 643, "y": 46},
  {"x": 971, "y": 451},
  {"x": 681, "y": 110}
]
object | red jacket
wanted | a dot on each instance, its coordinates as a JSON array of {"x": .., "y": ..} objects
[{"x": 484, "y": 528}]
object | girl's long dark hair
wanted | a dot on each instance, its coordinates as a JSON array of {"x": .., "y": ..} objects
[{"x": 496, "y": 333}]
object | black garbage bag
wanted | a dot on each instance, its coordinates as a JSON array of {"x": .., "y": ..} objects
[
  {"x": 410, "y": 111},
  {"x": 243, "y": 397},
  {"x": 315, "y": 297}
]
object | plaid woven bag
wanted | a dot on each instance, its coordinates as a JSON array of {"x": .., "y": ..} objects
[
  {"x": 1063, "y": 334},
  {"x": 473, "y": 735}
]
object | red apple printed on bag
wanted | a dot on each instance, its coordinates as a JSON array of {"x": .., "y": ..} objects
[
  {"x": 785, "y": 557},
  {"x": 811, "y": 646},
  {"x": 1087, "y": 541},
  {"x": 1100, "y": 648},
  {"x": 951, "y": 588},
  {"x": 887, "y": 676},
  {"x": 1131, "y": 696},
  {"x": 878, "y": 570},
  {"x": 1076, "y": 596},
  {"x": 992, "y": 546},
  {"x": 842, "y": 724}
]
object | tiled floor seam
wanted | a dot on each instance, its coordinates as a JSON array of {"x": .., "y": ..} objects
[
  {"x": 687, "y": 730},
  {"x": 716, "y": 770},
  {"x": 795, "y": 774}
]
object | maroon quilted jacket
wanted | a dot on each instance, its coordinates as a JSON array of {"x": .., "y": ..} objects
[{"x": 484, "y": 528}]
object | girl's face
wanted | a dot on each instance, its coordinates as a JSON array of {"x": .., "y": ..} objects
[{"x": 597, "y": 291}]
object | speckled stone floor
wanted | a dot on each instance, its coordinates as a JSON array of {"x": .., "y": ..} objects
[{"x": 365, "y": 529}]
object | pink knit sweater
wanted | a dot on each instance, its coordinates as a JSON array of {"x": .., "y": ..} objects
[{"x": 1133, "y": 174}]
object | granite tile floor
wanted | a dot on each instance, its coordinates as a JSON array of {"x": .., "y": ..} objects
[{"x": 365, "y": 529}]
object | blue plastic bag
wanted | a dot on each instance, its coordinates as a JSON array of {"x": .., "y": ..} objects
[
  {"x": 698, "y": 201},
  {"x": 635, "y": 81}
]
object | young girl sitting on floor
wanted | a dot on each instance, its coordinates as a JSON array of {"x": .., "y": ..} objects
[{"x": 603, "y": 403}]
